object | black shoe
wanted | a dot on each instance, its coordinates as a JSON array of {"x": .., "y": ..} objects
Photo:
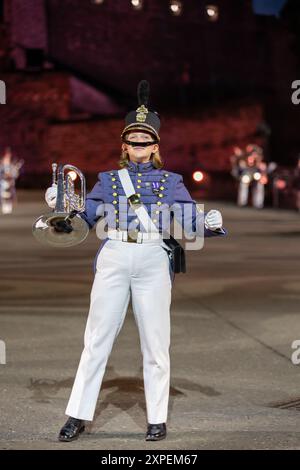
[
  {"x": 71, "y": 430},
  {"x": 156, "y": 432}
]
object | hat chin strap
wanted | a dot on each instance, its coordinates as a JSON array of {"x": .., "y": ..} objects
[{"x": 140, "y": 144}]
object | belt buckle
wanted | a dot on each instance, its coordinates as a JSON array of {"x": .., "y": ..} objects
[
  {"x": 134, "y": 201},
  {"x": 130, "y": 239}
]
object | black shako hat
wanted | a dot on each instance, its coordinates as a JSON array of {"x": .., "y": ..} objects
[{"x": 142, "y": 118}]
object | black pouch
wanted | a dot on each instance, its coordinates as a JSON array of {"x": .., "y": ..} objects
[{"x": 176, "y": 254}]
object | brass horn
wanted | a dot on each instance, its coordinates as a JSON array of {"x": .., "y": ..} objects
[{"x": 68, "y": 205}]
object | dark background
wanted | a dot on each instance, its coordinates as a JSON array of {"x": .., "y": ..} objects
[{"x": 71, "y": 68}]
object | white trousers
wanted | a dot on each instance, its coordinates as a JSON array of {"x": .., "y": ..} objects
[
  {"x": 6, "y": 206},
  {"x": 243, "y": 193},
  {"x": 258, "y": 194},
  {"x": 143, "y": 270}
]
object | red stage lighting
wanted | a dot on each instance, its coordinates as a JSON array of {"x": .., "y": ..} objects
[{"x": 280, "y": 184}]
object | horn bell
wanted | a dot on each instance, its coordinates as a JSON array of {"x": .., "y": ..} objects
[{"x": 45, "y": 233}]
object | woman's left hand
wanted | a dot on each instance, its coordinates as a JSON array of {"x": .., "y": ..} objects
[{"x": 213, "y": 220}]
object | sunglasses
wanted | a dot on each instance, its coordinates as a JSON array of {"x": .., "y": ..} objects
[{"x": 140, "y": 144}]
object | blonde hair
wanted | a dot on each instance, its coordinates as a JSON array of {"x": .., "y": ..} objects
[{"x": 155, "y": 158}]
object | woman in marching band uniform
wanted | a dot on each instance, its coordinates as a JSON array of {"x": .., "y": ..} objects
[{"x": 132, "y": 261}]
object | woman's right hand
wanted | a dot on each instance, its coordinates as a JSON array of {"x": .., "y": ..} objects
[{"x": 51, "y": 195}]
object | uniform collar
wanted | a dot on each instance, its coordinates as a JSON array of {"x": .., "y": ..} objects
[{"x": 140, "y": 167}]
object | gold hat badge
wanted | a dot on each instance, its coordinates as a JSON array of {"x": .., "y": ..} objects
[{"x": 141, "y": 113}]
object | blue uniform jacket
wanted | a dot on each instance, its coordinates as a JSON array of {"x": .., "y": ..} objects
[{"x": 160, "y": 191}]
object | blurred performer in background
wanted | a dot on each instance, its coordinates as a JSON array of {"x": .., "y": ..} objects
[
  {"x": 133, "y": 262},
  {"x": 252, "y": 172},
  {"x": 296, "y": 183},
  {"x": 236, "y": 161},
  {"x": 9, "y": 172}
]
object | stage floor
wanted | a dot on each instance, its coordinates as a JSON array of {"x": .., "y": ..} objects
[{"x": 235, "y": 315}]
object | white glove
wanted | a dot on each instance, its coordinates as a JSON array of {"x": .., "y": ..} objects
[
  {"x": 213, "y": 220},
  {"x": 50, "y": 196}
]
